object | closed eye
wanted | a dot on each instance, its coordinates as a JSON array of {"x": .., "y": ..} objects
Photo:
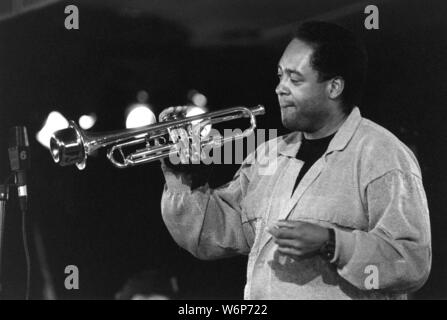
[{"x": 294, "y": 81}]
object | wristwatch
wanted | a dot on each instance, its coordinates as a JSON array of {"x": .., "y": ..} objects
[{"x": 328, "y": 248}]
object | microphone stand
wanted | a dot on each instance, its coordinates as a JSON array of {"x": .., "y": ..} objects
[
  {"x": 19, "y": 163},
  {"x": 4, "y": 190}
]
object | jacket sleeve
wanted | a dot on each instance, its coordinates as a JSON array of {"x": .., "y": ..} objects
[
  {"x": 206, "y": 222},
  {"x": 394, "y": 254}
]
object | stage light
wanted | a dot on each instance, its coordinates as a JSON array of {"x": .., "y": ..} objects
[
  {"x": 139, "y": 115},
  {"x": 199, "y": 99},
  {"x": 194, "y": 111},
  {"x": 87, "y": 121},
  {"x": 55, "y": 121}
]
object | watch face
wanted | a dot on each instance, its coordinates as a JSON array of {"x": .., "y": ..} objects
[{"x": 328, "y": 249}]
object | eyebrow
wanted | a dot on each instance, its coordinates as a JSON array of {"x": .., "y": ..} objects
[{"x": 288, "y": 70}]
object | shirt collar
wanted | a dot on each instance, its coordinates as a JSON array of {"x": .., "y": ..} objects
[{"x": 292, "y": 142}]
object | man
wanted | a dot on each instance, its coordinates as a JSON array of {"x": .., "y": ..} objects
[
  {"x": 151, "y": 284},
  {"x": 343, "y": 216}
]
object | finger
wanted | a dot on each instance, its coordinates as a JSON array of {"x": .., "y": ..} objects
[
  {"x": 204, "y": 128},
  {"x": 195, "y": 129},
  {"x": 180, "y": 109},
  {"x": 288, "y": 223},
  {"x": 285, "y": 233},
  {"x": 183, "y": 136},
  {"x": 177, "y": 143},
  {"x": 195, "y": 149},
  {"x": 182, "y": 155},
  {"x": 173, "y": 134},
  {"x": 290, "y": 251},
  {"x": 195, "y": 132},
  {"x": 164, "y": 113},
  {"x": 185, "y": 158},
  {"x": 184, "y": 146},
  {"x": 288, "y": 243},
  {"x": 273, "y": 230}
]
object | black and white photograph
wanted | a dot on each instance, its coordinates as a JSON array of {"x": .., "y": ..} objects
[{"x": 223, "y": 153}]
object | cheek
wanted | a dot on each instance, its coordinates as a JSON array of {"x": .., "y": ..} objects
[
  {"x": 303, "y": 93},
  {"x": 308, "y": 97},
  {"x": 297, "y": 94}
]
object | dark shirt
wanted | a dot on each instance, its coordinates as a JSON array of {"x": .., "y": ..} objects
[{"x": 310, "y": 151}]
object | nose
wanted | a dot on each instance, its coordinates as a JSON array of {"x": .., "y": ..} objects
[{"x": 282, "y": 89}]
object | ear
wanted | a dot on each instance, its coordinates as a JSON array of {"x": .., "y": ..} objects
[{"x": 335, "y": 87}]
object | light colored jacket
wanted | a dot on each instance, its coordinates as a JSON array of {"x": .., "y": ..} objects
[{"x": 367, "y": 186}]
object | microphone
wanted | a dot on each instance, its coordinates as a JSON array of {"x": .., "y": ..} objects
[{"x": 19, "y": 161}]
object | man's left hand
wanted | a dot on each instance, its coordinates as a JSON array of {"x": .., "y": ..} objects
[{"x": 298, "y": 239}]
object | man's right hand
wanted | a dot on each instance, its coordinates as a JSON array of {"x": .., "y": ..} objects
[
  {"x": 191, "y": 168},
  {"x": 187, "y": 141},
  {"x": 180, "y": 136}
]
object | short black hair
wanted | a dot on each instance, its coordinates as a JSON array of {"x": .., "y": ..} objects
[
  {"x": 337, "y": 52},
  {"x": 149, "y": 282}
]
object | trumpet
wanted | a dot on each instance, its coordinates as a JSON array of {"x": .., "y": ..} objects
[{"x": 73, "y": 145}]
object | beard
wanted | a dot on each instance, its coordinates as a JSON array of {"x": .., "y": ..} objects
[{"x": 306, "y": 117}]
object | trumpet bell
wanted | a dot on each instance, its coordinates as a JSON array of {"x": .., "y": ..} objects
[{"x": 67, "y": 147}]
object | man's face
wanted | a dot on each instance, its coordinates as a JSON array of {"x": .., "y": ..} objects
[{"x": 303, "y": 100}]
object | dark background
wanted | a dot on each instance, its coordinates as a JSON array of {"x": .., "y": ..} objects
[{"x": 107, "y": 221}]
